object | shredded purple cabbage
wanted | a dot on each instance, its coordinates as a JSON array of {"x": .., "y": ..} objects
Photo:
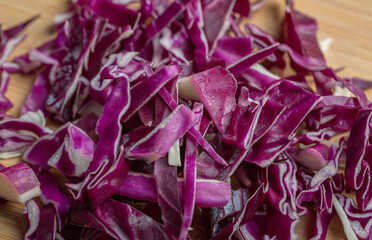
[{"x": 167, "y": 110}]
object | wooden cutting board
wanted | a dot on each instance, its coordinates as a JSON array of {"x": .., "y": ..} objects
[{"x": 348, "y": 23}]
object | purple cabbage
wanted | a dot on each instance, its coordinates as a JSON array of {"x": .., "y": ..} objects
[
  {"x": 357, "y": 169},
  {"x": 208, "y": 193},
  {"x": 8, "y": 40},
  {"x": 68, "y": 149},
  {"x": 166, "y": 117},
  {"x": 5, "y": 103},
  {"x": 298, "y": 103},
  {"x": 165, "y": 177},
  {"x": 120, "y": 221},
  {"x": 147, "y": 149},
  {"x": 215, "y": 88},
  {"x": 19, "y": 183}
]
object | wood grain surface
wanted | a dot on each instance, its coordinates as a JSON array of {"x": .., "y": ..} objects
[{"x": 348, "y": 23}]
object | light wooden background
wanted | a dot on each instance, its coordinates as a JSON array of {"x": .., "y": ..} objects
[{"x": 348, "y": 23}]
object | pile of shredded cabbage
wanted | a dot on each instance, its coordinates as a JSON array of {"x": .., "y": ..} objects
[{"x": 169, "y": 114}]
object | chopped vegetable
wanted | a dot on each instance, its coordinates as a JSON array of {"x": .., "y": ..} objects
[
  {"x": 167, "y": 110},
  {"x": 18, "y": 183}
]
